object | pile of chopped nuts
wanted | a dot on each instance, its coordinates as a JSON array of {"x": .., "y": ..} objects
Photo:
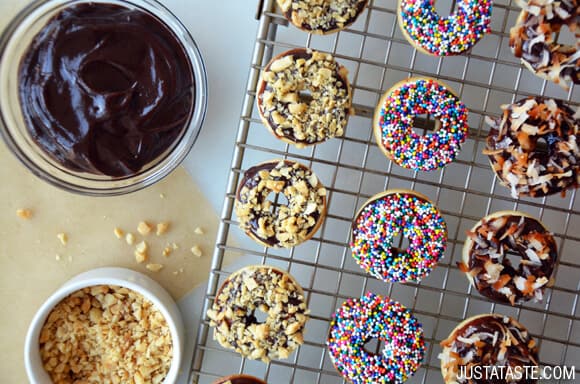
[
  {"x": 265, "y": 289},
  {"x": 106, "y": 334}
]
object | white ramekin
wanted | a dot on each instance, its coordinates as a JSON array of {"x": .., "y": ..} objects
[{"x": 127, "y": 278}]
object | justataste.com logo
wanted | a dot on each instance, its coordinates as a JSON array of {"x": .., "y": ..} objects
[{"x": 516, "y": 373}]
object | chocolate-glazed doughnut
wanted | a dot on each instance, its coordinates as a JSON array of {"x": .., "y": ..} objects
[
  {"x": 290, "y": 224},
  {"x": 487, "y": 340},
  {"x": 486, "y": 264},
  {"x": 239, "y": 379},
  {"x": 289, "y": 112},
  {"x": 532, "y": 40},
  {"x": 322, "y": 17},
  {"x": 533, "y": 147},
  {"x": 267, "y": 289}
]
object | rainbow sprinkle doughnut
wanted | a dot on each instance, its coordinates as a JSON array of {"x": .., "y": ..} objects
[
  {"x": 393, "y": 124},
  {"x": 443, "y": 36},
  {"x": 382, "y": 218},
  {"x": 373, "y": 317}
]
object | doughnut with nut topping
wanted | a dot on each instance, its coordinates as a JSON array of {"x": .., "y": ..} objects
[
  {"x": 239, "y": 379},
  {"x": 488, "y": 340},
  {"x": 283, "y": 226},
  {"x": 271, "y": 291},
  {"x": 488, "y": 267},
  {"x": 304, "y": 97},
  {"x": 533, "y": 147},
  {"x": 322, "y": 16}
]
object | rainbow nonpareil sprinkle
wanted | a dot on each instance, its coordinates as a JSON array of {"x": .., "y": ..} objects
[
  {"x": 395, "y": 122},
  {"x": 381, "y": 220},
  {"x": 373, "y": 317},
  {"x": 442, "y": 36}
]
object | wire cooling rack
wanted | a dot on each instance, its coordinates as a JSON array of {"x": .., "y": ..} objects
[{"x": 353, "y": 169}]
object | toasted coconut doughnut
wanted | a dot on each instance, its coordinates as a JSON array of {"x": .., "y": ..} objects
[
  {"x": 517, "y": 156},
  {"x": 288, "y": 225},
  {"x": 322, "y": 16},
  {"x": 388, "y": 214},
  {"x": 271, "y": 291},
  {"x": 492, "y": 273},
  {"x": 487, "y": 340},
  {"x": 286, "y": 108},
  {"x": 532, "y": 40}
]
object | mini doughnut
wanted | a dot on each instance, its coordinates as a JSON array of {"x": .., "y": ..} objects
[
  {"x": 491, "y": 272},
  {"x": 270, "y": 290},
  {"x": 443, "y": 36},
  {"x": 358, "y": 321},
  {"x": 239, "y": 379},
  {"x": 288, "y": 225},
  {"x": 487, "y": 340},
  {"x": 322, "y": 17},
  {"x": 388, "y": 214},
  {"x": 289, "y": 112},
  {"x": 515, "y": 147},
  {"x": 393, "y": 123},
  {"x": 532, "y": 40}
]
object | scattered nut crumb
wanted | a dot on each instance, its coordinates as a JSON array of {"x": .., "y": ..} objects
[
  {"x": 174, "y": 246},
  {"x": 144, "y": 228},
  {"x": 70, "y": 258},
  {"x": 196, "y": 250},
  {"x": 162, "y": 195},
  {"x": 162, "y": 228},
  {"x": 142, "y": 247},
  {"x": 199, "y": 231},
  {"x": 140, "y": 257},
  {"x": 167, "y": 251},
  {"x": 24, "y": 213},
  {"x": 63, "y": 238},
  {"x": 154, "y": 267},
  {"x": 57, "y": 257},
  {"x": 118, "y": 233},
  {"x": 130, "y": 238}
]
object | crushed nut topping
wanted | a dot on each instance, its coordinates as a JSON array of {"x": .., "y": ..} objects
[
  {"x": 265, "y": 289},
  {"x": 196, "y": 250},
  {"x": 106, "y": 334},
  {"x": 130, "y": 238},
  {"x": 295, "y": 117},
  {"x": 118, "y": 232},
  {"x": 532, "y": 40},
  {"x": 284, "y": 225},
  {"x": 487, "y": 340},
  {"x": 486, "y": 262},
  {"x": 198, "y": 231},
  {"x": 322, "y": 16},
  {"x": 154, "y": 267},
  {"x": 533, "y": 147},
  {"x": 24, "y": 213}
]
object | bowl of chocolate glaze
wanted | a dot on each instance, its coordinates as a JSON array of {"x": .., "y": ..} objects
[{"x": 100, "y": 97}]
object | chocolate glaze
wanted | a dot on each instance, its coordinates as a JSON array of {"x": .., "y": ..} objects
[
  {"x": 105, "y": 89},
  {"x": 520, "y": 353}
]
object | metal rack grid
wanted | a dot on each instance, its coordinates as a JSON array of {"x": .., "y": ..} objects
[{"x": 353, "y": 169}]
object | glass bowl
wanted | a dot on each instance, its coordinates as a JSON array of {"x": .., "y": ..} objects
[{"x": 14, "y": 44}]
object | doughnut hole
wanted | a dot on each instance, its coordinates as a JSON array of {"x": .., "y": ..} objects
[
  {"x": 564, "y": 36},
  {"x": 445, "y": 8},
  {"x": 425, "y": 123},
  {"x": 305, "y": 96},
  {"x": 256, "y": 316},
  {"x": 400, "y": 243},
  {"x": 277, "y": 200},
  {"x": 514, "y": 259},
  {"x": 374, "y": 346}
]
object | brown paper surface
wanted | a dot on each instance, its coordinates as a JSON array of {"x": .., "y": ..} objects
[{"x": 29, "y": 248}]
